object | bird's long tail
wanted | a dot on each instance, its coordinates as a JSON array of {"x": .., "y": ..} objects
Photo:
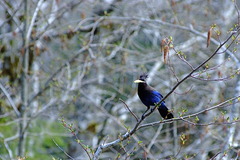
[{"x": 165, "y": 113}]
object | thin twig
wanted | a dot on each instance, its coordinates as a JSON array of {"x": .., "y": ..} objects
[
  {"x": 40, "y": 2},
  {"x": 189, "y": 29},
  {"x": 72, "y": 130},
  {"x": 7, "y": 146},
  {"x": 135, "y": 116},
  {"x": 211, "y": 123},
  {"x": 215, "y": 156},
  {"x": 94, "y": 29},
  {"x": 29, "y": 120},
  {"x": 153, "y": 140},
  {"x": 62, "y": 150},
  {"x": 194, "y": 114},
  {"x": 10, "y": 100},
  {"x": 47, "y": 83},
  {"x": 9, "y": 150}
]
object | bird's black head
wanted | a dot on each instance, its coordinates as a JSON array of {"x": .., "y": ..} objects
[{"x": 142, "y": 78}]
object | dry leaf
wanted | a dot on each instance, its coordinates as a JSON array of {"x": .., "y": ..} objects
[
  {"x": 209, "y": 36},
  {"x": 22, "y": 51},
  {"x": 14, "y": 34},
  {"x": 165, "y": 53},
  {"x": 163, "y": 43},
  {"x": 37, "y": 51},
  {"x": 83, "y": 15},
  {"x": 219, "y": 74}
]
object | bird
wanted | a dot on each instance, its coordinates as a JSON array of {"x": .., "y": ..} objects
[{"x": 150, "y": 97}]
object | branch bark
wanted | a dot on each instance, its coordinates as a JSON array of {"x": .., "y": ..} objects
[
  {"x": 10, "y": 100},
  {"x": 24, "y": 83},
  {"x": 24, "y": 77}
]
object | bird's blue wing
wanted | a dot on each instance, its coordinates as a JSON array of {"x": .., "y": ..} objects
[
  {"x": 157, "y": 93},
  {"x": 156, "y": 97}
]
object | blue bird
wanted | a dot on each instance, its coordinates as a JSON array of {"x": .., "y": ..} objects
[{"x": 150, "y": 97}]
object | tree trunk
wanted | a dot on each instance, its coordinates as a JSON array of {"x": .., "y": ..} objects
[{"x": 24, "y": 83}]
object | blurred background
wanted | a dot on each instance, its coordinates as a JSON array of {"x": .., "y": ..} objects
[{"x": 65, "y": 66}]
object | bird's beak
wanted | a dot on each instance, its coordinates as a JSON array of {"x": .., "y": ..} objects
[{"x": 139, "y": 81}]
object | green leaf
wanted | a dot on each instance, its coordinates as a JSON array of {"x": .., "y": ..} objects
[
  {"x": 228, "y": 118},
  {"x": 196, "y": 119}
]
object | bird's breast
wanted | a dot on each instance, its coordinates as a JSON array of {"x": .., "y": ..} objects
[{"x": 148, "y": 96}]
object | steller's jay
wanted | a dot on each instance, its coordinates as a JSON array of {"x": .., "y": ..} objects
[{"x": 150, "y": 97}]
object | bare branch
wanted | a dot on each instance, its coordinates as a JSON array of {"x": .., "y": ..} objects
[
  {"x": 40, "y": 2},
  {"x": 47, "y": 83},
  {"x": 195, "y": 114},
  {"x": 6, "y": 140},
  {"x": 129, "y": 109},
  {"x": 62, "y": 150},
  {"x": 10, "y": 100},
  {"x": 190, "y": 29}
]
